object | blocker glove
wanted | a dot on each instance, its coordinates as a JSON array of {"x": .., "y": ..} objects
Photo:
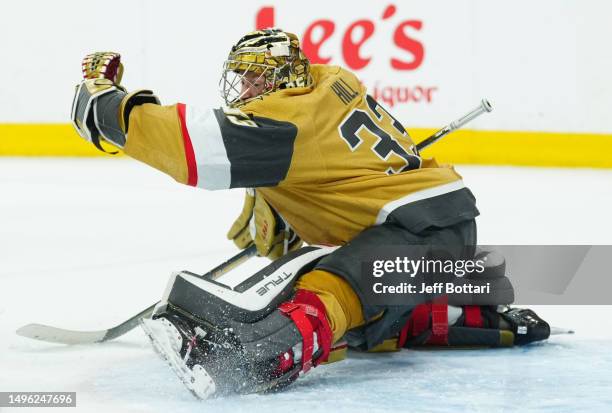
[
  {"x": 259, "y": 223},
  {"x": 101, "y": 106}
]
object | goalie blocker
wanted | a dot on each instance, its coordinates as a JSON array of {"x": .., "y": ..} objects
[
  {"x": 261, "y": 334},
  {"x": 101, "y": 106}
]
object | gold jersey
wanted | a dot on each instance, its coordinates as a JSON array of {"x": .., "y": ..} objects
[{"x": 327, "y": 157}]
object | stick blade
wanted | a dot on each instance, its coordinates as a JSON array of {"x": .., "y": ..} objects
[
  {"x": 59, "y": 335},
  {"x": 51, "y": 334}
]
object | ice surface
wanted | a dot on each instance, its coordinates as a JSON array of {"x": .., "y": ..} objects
[{"x": 86, "y": 243}]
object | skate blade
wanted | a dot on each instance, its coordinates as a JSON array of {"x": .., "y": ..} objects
[
  {"x": 560, "y": 330},
  {"x": 166, "y": 342}
]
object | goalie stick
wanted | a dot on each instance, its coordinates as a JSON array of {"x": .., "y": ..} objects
[
  {"x": 62, "y": 336},
  {"x": 484, "y": 107},
  {"x": 58, "y": 335},
  {"x": 52, "y": 334}
]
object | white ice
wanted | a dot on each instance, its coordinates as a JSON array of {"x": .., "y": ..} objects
[{"x": 86, "y": 243}]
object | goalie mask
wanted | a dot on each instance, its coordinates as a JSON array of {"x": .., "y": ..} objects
[{"x": 262, "y": 62}]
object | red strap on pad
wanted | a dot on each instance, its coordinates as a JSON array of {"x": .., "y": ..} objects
[
  {"x": 439, "y": 322},
  {"x": 307, "y": 312},
  {"x": 419, "y": 322},
  {"x": 473, "y": 316},
  {"x": 297, "y": 313}
]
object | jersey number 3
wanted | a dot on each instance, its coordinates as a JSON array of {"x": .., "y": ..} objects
[{"x": 385, "y": 145}]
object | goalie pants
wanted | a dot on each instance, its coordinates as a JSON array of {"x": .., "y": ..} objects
[{"x": 335, "y": 279}]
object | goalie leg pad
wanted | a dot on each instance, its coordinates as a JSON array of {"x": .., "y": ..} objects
[
  {"x": 489, "y": 326},
  {"x": 220, "y": 340},
  {"x": 245, "y": 358}
]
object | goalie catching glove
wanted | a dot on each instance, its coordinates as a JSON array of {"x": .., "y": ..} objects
[
  {"x": 260, "y": 223},
  {"x": 101, "y": 107}
]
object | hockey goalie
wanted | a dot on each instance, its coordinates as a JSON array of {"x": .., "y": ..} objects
[{"x": 323, "y": 164}]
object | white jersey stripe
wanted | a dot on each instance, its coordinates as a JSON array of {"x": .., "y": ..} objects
[
  {"x": 208, "y": 147},
  {"x": 417, "y": 196}
]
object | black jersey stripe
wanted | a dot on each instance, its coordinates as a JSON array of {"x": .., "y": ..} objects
[{"x": 259, "y": 155}]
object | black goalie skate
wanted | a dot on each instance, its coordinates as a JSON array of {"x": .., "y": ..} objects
[
  {"x": 525, "y": 324},
  {"x": 196, "y": 355},
  {"x": 244, "y": 358}
]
